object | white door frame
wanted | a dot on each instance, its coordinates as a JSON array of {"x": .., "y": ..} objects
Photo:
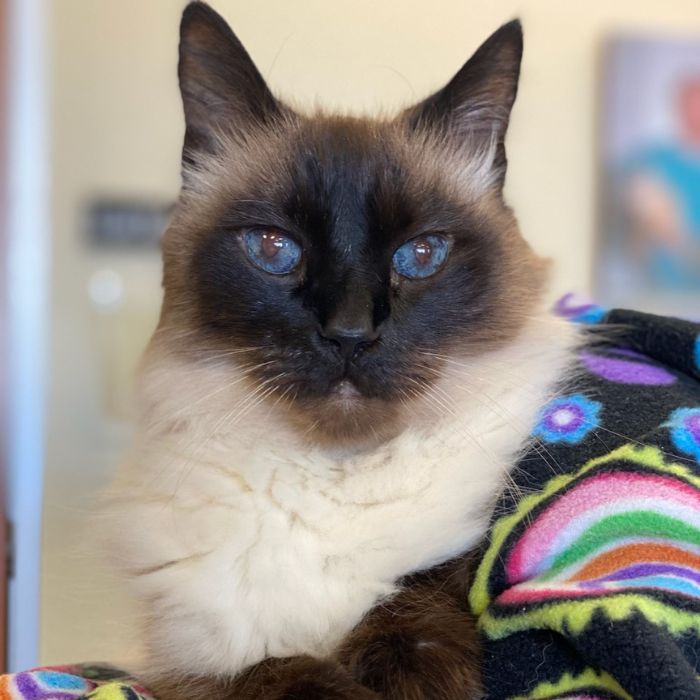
[{"x": 27, "y": 277}]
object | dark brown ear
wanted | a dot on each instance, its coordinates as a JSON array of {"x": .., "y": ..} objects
[
  {"x": 477, "y": 102},
  {"x": 221, "y": 88}
]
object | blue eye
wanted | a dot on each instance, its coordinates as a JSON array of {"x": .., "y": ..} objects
[
  {"x": 422, "y": 256},
  {"x": 272, "y": 251}
]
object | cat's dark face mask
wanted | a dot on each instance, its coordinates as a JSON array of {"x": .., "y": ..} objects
[{"x": 340, "y": 262}]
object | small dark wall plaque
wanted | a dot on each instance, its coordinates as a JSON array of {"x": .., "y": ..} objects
[{"x": 126, "y": 224}]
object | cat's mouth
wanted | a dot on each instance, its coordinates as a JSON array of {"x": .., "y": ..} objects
[
  {"x": 345, "y": 414},
  {"x": 346, "y": 390}
]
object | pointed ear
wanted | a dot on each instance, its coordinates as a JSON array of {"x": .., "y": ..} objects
[
  {"x": 221, "y": 88},
  {"x": 477, "y": 102}
]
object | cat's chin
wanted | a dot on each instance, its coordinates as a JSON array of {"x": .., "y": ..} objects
[{"x": 346, "y": 417}]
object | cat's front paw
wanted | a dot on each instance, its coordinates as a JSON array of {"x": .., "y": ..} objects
[
  {"x": 421, "y": 652},
  {"x": 296, "y": 678},
  {"x": 313, "y": 679},
  {"x": 300, "y": 678}
]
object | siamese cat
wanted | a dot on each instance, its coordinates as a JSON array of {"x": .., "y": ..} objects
[{"x": 352, "y": 350}]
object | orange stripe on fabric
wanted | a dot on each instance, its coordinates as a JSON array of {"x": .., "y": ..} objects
[
  {"x": 5, "y": 688},
  {"x": 634, "y": 554}
]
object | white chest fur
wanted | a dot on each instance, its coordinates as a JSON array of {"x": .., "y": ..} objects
[{"x": 244, "y": 543}]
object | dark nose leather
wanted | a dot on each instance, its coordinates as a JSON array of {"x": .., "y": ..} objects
[{"x": 351, "y": 341}]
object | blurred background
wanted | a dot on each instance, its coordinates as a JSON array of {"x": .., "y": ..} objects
[{"x": 604, "y": 151}]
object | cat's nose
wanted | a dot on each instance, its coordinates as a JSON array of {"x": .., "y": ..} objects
[{"x": 350, "y": 340}]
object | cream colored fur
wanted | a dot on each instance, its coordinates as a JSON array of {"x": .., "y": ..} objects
[{"x": 243, "y": 541}]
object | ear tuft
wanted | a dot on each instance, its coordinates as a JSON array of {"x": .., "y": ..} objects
[{"x": 221, "y": 88}]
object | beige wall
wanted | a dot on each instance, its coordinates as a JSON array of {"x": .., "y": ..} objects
[{"x": 116, "y": 129}]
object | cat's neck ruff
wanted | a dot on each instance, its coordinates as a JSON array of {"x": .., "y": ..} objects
[{"x": 244, "y": 541}]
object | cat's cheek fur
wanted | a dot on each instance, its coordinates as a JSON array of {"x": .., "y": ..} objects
[{"x": 243, "y": 541}]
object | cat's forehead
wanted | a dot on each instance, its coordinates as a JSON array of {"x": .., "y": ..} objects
[
  {"x": 332, "y": 136},
  {"x": 323, "y": 152},
  {"x": 327, "y": 153},
  {"x": 351, "y": 172},
  {"x": 328, "y": 174}
]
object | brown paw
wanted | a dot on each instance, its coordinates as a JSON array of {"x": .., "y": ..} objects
[
  {"x": 413, "y": 651},
  {"x": 322, "y": 689},
  {"x": 298, "y": 678},
  {"x": 305, "y": 678}
]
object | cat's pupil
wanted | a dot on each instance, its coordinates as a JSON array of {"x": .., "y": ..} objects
[
  {"x": 423, "y": 252},
  {"x": 271, "y": 244}
]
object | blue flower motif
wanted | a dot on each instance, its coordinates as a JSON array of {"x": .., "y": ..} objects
[
  {"x": 593, "y": 314},
  {"x": 685, "y": 430},
  {"x": 57, "y": 680},
  {"x": 567, "y": 419}
]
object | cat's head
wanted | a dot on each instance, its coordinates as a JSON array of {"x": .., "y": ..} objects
[{"x": 340, "y": 262}]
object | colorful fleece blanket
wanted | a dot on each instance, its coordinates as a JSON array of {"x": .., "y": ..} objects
[
  {"x": 93, "y": 681},
  {"x": 589, "y": 583}
]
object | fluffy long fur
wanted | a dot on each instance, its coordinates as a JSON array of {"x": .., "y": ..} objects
[{"x": 246, "y": 542}]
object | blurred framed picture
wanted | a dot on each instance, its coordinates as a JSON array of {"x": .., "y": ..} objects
[{"x": 649, "y": 243}]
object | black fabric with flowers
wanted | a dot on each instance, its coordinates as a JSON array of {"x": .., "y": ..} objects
[{"x": 589, "y": 585}]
